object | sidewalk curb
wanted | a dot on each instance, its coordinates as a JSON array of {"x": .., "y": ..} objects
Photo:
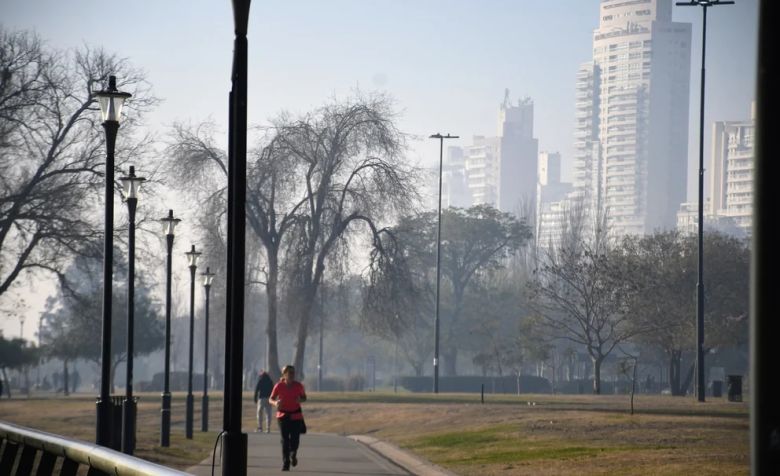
[{"x": 406, "y": 460}]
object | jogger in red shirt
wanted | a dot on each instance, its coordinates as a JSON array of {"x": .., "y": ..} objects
[{"x": 287, "y": 396}]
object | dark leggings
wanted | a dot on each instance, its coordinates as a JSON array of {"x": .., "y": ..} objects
[{"x": 291, "y": 435}]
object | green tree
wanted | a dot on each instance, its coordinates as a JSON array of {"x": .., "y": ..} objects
[
  {"x": 72, "y": 322},
  {"x": 475, "y": 242},
  {"x": 16, "y": 354},
  {"x": 662, "y": 267}
]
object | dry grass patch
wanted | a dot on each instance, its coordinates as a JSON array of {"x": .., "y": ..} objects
[
  {"x": 530, "y": 434},
  {"x": 556, "y": 435},
  {"x": 74, "y": 417}
]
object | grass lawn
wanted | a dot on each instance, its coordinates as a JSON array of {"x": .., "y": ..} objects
[{"x": 529, "y": 434}]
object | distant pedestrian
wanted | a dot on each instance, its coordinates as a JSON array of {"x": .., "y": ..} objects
[
  {"x": 262, "y": 392},
  {"x": 287, "y": 396}
]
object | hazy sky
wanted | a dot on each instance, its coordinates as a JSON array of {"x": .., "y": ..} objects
[{"x": 446, "y": 62}]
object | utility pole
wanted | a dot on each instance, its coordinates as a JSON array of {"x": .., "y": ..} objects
[
  {"x": 701, "y": 388},
  {"x": 438, "y": 266}
]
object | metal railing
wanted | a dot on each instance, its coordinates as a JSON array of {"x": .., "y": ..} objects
[{"x": 21, "y": 447}]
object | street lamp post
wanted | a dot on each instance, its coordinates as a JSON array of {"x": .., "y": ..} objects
[
  {"x": 700, "y": 385},
  {"x": 208, "y": 277},
  {"x": 169, "y": 224},
  {"x": 234, "y": 442},
  {"x": 438, "y": 265},
  {"x": 111, "y": 101},
  {"x": 192, "y": 259},
  {"x": 130, "y": 184}
]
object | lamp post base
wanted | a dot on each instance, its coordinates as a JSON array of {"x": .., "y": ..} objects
[
  {"x": 103, "y": 423},
  {"x": 128, "y": 426},
  {"x": 234, "y": 454},
  {"x": 190, "y": 410},
  {"x": 205, "y": 411},
  {"x": 165, "y": 421}
]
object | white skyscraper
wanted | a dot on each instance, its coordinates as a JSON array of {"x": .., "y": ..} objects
[
  {"x": 481, "y": 162},
  {"x": 632, "y": 117},
  {"x": 730, "y": 181}
]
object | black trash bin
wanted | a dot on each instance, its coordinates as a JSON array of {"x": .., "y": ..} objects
[
  {"x": 717, "y": 388},
  {"x": 735, "y": 388}
]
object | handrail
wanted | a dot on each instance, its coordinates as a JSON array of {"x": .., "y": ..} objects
[{"x": 96, "y": 457}]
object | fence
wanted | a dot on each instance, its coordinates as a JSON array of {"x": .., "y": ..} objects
[{"x": 25, "y": 452}]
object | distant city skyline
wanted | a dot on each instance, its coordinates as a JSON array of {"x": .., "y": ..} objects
[{"x": 447, "y": 63}]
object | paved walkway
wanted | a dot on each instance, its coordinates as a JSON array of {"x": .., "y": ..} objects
[{"x": 319, "y": 454}]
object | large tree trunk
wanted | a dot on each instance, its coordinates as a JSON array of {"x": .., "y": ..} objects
[
  {"x": 597, "y": 374},
  {"x": 306, "y": 308},
  {"x": 309, "y": 293},
  {"x": 272, "y": 345},
  {"x": 450, "y": 355}
]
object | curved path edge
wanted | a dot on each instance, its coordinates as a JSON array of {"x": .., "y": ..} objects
[{"x": 406, "y": 460}]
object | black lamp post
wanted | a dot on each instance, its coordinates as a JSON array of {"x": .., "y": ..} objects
[
  {"x": 208, "y": 277},
  {"x": 438, "y": 266},
  {"x": 234, "y": 442},
  {"x": 700, "y": 385},
  {"x": 192, "y": 259},
  {"x": 111, "y": 102},
  {"x": 169, "y": 223},
  {"x": 130, "y": 184}
]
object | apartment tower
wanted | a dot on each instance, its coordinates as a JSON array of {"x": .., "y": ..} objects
[{"x": 632, "y": 117}]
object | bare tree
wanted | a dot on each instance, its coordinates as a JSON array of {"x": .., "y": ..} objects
[
  {"x": 581, "y": 293},
  {"x": 351, "y": 167},
  {"x": 309, "y": 184},
  {"x": 51, "y": 149}
]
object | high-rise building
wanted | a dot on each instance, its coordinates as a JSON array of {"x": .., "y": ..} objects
[
  {"x": 632, "y": 117},
  {"x": 551, "y": 200},
  {"x": 481, "y": 163},
  {"x": 455, "y": 191},
  {"x": 518, "y": 153},
  {"x": 498, "y": 171},
  {"x": 730, "y": 181}
]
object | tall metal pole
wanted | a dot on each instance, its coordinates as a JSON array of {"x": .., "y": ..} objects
[
  {"x": 234, "y": 462},
  {"x": 111, "y": 101},
  {"x": 701, "y": 388},
  {"x": 765, "y": 327},
  {"x": 128, "y": 414},
  {"x": 165, "y": 413},
  {"x": 205, "y": 402},
  {"x": 190, "y": 398},
  {"x": 438, "y": 265},
  {"x": 103, "y": 436}
]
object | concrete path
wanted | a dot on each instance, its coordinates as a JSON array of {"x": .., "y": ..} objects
[{"x": 319, "y": 454}]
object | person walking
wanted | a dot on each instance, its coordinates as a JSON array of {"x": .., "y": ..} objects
[
  {"x": 287, "y": 396},
  {"x": 262, "y": 392}
]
